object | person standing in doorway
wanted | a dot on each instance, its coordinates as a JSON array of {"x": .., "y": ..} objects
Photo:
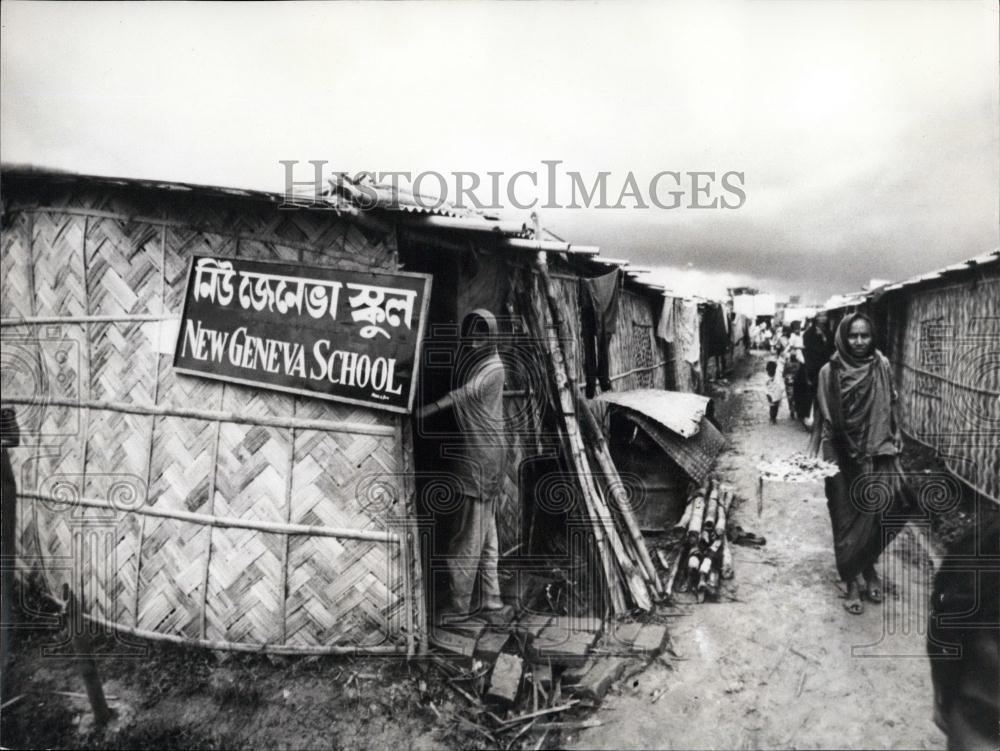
[{"x": 477, "y": 402}]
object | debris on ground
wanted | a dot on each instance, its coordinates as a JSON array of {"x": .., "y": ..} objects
[
  {"x": 797, "y": 467},
  {"x": 539, "y": 674}
]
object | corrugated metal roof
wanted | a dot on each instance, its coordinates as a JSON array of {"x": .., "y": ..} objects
[
  {"x": 611, "y": 261},
  {"x": 983, "y": 259},
  {"x": 396, "y": 198},
  {"x": 856, "y": 298},
  {"x": 675, "y": 410},
  {"x": 60, "y": 176},
  {"x": 694, "y": 455}
]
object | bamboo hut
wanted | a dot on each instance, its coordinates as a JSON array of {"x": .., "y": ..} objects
[
  {"x": 941, "y": 333},
  {"x": 234, "y": 516}
]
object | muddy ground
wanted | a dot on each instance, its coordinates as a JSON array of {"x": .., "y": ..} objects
[{"x": 776, "y": 663}]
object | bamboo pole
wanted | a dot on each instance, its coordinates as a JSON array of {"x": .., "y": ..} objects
[
  {"x": 207, "y": 414},
  {"x": 617, "y": 488},
  {"x": 224, "y": 523},
  {"x": 697, "y": 517},
  {"x": 711, "y": 510},
  {"x": 260, "y": 648},
  {"x": 676, "y": 556},
  {"x": 559, "y": 378},
  {"x": 682, "y": 523},
  {"x": 565, "y": 386},
  {"x": 644, "y": 369},
  {"x": 690, "y": 574},
  {"x": 727, "y": 559},
  {"x": 720, "y": 524},
  {"x": 80, "y": 320},
  {"x": 83, "y": 657},
  {"x": 605, "y": 537}
]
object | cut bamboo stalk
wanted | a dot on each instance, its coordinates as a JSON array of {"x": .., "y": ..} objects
[
  {"x": 714, "y": 553},
  {"x": 694, "y": 565},
  {"x": 713, "y": 583},
  {"x": 727, "y": 559},
  {"x": 673, "y": 566},
  {"x": 711, "y": 509},
  {"x": 697, "y": 517},
  {"x": 720, "y": 524},
  {"x": 727, "y": 498},
  {"x": 685, "y": 520},
  {"x": 705, "y": 567}
]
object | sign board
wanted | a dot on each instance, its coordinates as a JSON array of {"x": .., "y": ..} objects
[{"x": 349, "y": 336}]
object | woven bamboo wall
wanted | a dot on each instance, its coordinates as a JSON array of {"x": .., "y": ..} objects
[
  {"x": 638, "y": 359},
  {"x": 942, "y": 340},
  {"x": 637, "y": 356},
  {"x": 73, "y": 249}
]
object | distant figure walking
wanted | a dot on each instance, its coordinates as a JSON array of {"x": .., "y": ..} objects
[
  {"x": 791, "y": 358},
  {"x": 856, "y": 427},
  {"x": 775, "y": 390},
  {"x": 817, "y": 347}
]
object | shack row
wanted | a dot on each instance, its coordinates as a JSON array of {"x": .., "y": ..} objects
[{"x": 247, "y": 513}]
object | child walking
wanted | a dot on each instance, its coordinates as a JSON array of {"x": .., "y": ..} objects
[{"x": 775, "y": 389}]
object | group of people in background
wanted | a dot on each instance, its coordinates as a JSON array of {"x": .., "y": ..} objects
[{"x": 793, "y": 371}]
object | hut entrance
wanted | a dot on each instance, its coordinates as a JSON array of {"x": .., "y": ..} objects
[{"x": 464, "y": 280}]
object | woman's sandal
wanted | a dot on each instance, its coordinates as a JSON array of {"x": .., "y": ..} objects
[
  {"x": 873, "y": 592},
  {"x": 854, "y": 607}
]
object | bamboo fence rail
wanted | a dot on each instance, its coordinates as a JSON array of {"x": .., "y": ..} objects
[{"x": 206, "y": 414}]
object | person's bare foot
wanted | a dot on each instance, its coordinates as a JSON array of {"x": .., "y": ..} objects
[{"x": 853, "y": 604}]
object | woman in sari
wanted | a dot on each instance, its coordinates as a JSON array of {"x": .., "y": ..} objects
[{"x": 856, "y": 427}]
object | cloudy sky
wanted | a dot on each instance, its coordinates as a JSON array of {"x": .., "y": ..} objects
[{"x": 867, "y": 132}]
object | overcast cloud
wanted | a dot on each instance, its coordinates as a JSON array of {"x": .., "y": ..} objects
[{"x": 867, "y": 132}]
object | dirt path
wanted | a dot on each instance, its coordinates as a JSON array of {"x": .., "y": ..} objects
[{"x": 784, "y": 666}]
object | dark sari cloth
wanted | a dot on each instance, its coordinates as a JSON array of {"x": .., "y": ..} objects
[
  {"x": 856, "y": 428},
  {"x": 963, "y": 637}
]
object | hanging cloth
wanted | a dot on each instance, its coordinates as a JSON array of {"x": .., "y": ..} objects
[
  {"x": 688, "y": 341},
  {"x": 599, "y": 309},
  {"x": 713, "y": 327},
  {"x": 665, "y": 326}
]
